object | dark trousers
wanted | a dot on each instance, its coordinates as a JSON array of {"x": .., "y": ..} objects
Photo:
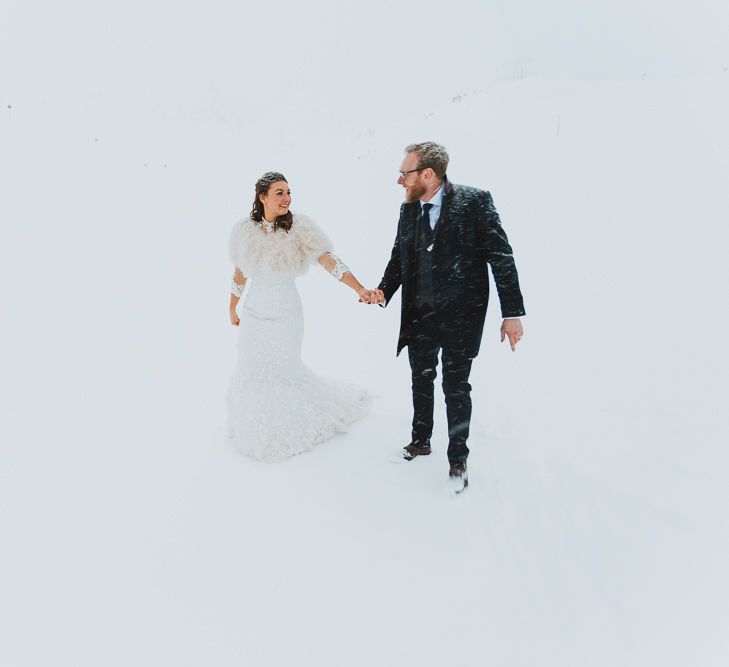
[{"x": 456, "y": 367}]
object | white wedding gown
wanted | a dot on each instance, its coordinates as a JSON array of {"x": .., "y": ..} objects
[{"x": 277, "y": 407}]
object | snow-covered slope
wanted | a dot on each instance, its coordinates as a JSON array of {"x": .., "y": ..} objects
[{"x": 594, "y": 531}]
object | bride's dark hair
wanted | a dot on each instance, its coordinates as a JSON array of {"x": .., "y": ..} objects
[{"x": 263, "y": 185}]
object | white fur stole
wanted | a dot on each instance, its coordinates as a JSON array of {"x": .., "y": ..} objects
[{"x": 286, "y": 252}]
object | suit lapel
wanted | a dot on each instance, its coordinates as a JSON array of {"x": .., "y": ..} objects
[
  {"x": 445, "y": 214},
  {"x": 407, "y": 248},
  {"x": 411, "y": 225}
]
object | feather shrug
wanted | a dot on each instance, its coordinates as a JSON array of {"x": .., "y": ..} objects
[{"x": 286, "y": 252}]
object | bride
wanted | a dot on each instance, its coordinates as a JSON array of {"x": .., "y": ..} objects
[{"x": 277, "y": 407}]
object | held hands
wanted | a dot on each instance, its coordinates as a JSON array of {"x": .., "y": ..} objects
[
  {"x": 512, "y": 329},
  {"x": 371, "y": 296},
  {"x": 234, "y": 319}
]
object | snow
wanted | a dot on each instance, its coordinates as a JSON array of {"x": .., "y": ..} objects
[{"x": 594, "y": 530}]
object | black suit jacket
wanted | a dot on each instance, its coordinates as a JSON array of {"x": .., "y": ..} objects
[{"x": 468, "y": 236}]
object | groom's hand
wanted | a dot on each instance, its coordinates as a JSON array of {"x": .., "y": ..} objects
[{"x": 512, "y": 329}]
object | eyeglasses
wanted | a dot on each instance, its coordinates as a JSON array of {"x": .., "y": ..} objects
[{"x": 405, "y": 174}]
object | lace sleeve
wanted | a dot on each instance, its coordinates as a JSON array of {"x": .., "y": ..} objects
[
  {"x": 333, "y": 264},
  {"x": 238, "y": 284}
]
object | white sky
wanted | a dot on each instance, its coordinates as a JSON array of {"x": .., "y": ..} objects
[{"x": 346, "y": 59}]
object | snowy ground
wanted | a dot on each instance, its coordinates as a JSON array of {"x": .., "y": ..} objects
[{"x": 595, "y": 529}]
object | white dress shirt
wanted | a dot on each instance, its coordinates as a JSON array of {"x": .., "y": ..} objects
[{"x": 437, "y": 201}]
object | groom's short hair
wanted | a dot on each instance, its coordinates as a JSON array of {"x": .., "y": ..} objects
[{"x": 430, "y": 155}]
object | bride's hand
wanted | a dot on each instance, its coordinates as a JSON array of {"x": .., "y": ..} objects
[
  {"x": 371, "y": 296},
  {"x": 234, "y": 319},
  {"x": 364, "y": 295}
]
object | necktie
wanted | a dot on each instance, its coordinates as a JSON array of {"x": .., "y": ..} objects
[
  {"x": 426, "y": 233},
  {"x": 425, "y": 215}
]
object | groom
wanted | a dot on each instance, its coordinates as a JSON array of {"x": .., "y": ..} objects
[{"x": 446, "y": 236}]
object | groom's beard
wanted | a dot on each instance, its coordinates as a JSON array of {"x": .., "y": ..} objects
[{"x": 414, "y": 193}]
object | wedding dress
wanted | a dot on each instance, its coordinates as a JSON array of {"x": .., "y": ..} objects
[{"x": 277, "y": 407}]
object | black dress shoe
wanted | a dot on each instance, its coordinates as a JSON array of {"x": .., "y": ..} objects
[{"x": 411, "y": 451}]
